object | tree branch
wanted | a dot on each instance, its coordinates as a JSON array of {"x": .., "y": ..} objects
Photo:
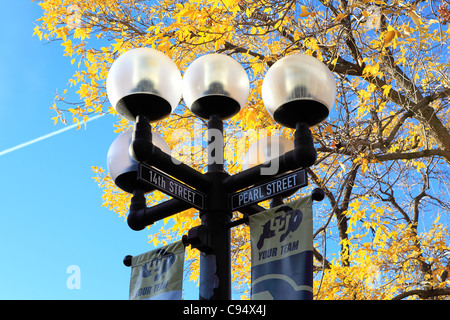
[
  {"x": 413, "y": 155},
  {"x": 423, "y": 294},
  {"x": 427, "y": 115},
  {"x": 238, "y": 49},
  {"x": 321, "y": 259}
]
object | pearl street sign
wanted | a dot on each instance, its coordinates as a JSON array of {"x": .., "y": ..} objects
[
  {"x": 273, "y": 188},
  {"x": 170, "y": 186}
]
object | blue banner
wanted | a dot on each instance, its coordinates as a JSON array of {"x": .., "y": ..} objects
[{"x": 282, "y": 256}]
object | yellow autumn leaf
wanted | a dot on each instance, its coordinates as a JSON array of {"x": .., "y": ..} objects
[
  {"x": 37, "y": 32},
  {"x": 341, "y": 16},
  {"x": 390, "y": 35},
  {"x": 304, "y": 14},
  {"x": 278, "y": 24},
  {"x": 80, "y": 33},
  {"x": 166, "y": 220},
  {"x": 386, "y": 89},
  {"x": 414, "y": 17},
  {"x": 257, "y": 68},
  {"x": 77, "y": 121}
]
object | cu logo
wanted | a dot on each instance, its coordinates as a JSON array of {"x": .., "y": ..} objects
[
  {"x": 288, "y": 222},
  {"x": 158, "y": 268}
]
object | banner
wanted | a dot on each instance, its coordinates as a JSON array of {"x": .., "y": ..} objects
[
  {"x": 158, "y": 274},
  {"x": 282, "y": 257}
]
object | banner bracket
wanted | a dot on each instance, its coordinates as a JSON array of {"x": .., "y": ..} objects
[
  {"x": 238, "y": 222},
  {"x": 127, "y": 260},
  {"x": 199, "y": 238}
]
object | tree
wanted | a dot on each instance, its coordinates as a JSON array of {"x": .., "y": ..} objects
[{"x": 383, "y": 154}]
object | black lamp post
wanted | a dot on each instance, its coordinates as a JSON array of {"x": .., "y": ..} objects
[{"x": 144, "y": 86}]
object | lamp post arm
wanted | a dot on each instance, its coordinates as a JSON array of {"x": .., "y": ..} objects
[
  {"x": 305, "y": 152},
  {"x": 143, "y": 150},
  {"x": 251, "y": 209},
  {"x": 304, "y": 155},
  {"x": 141, "y": 216}
]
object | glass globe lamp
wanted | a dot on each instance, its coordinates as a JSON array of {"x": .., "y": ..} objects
[
  {"x": 146, "y": 82},
  {"x": 122, "y": 167},
  {"x": 215, "y": 84},
  {"x": 299, "y": 89}
]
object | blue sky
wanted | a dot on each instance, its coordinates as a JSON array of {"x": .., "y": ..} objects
[{"x": 50, "y": 207}]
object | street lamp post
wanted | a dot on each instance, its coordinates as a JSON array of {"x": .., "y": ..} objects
[{"x": 145, "y": 86}]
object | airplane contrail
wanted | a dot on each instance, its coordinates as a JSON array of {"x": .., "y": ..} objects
[{"x": 46, "y": 136}]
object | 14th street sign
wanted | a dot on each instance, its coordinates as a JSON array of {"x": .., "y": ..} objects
[
  {"x": 273, "y": 188},
  {"x": 170, "y": 186}
]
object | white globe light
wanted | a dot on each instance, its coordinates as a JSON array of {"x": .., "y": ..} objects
[
  {"x": 144, "y": 81},
  {"x": 215, "y": 84},
  {"x": 299, "y": 88},
  {"x": 121, "y": 166}
]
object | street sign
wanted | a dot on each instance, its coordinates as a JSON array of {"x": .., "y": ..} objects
[
  {"x": 273, "y": 188},
  {"x": 170, "y": 186}
]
